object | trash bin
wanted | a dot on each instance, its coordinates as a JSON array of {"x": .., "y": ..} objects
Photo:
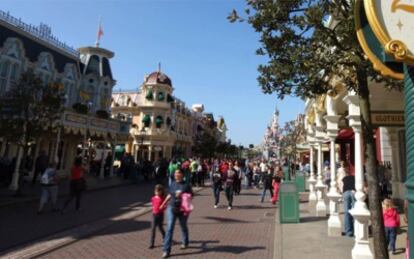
[
  {"x": 300, "y": 181},
  {"x": 288, "y": 203}
]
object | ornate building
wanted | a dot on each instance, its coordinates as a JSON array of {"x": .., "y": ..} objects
[
  {"x": 86, "y": 77},
  {"x": 162, "y": 125},
  {"x": 271, "y": 138}
]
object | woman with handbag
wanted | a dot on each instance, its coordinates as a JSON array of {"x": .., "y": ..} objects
[
  {"x": 77, "y": 183},
  {"x": 178, "y": 189}
]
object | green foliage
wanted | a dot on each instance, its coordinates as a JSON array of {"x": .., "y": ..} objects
[
  {"x": 30, "y": 108},
  {"x": 205, "y": 145},
  {"x": 80, "y": 108},
  {"x": 292, "y": 134},
  {"x": 305, "y": 46}
]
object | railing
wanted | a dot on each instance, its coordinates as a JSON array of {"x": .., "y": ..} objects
[
  {"x": 120, "y": 91},
  {"x": 42, "y": 34}
]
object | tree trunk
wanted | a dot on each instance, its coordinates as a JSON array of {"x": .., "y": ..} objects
[{"x": 377, "y": 221}]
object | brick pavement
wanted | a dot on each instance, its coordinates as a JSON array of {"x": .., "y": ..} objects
[
  {"x": 20, "y": 224},
  {"x": 245, "y": 232}
]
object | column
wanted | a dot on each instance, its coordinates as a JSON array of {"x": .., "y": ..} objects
[
  {"x": 56, "y": 153},
  {"x": 102, "y": 170},
  {"x": 36, "y": 154},
  {"x": 111, "y": 169},
  {"x": 360, "y": 212},
  {"x": 150, "y": 153},
  {"x": 334, "y": 222},
  {"x": 312, "y": 180},
  {"x": 320, "y": 186}
]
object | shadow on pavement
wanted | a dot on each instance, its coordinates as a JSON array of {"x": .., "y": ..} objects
[
  {"x": 220, "y": 249},
  {"x": 226, "y": 220},
  {"x": 312, "y": 219}
]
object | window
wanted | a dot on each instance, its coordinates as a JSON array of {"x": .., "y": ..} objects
[
  {"x": 93, "y": 65},
  {"x": 45, "y": 67},
  {"x": 4, "y": 75}
]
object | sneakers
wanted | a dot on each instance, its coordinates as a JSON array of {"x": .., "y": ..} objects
[
  {"x": 215, "y": 206},
  {"x": 229, "y": 208},
  {"x": 165, "y": 255},
  {"x": 182, "y": 247}
]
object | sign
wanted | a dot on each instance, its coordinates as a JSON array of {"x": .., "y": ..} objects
[
  {"x": 372, "y": 47},
  {"x": 392, "y": 23},
  {"x": 387, "y": 119}
]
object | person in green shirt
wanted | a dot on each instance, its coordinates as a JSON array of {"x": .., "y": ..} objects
[
  {"x": 174, "y": 165},
  {"x": 193, "y": 170}
]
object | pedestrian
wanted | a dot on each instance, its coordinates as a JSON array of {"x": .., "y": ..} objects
[
  {"x": 157, "y": 213},
  {"x": 267, "y": 183},
  {"x": 277, "y": 179},
  {"x": 348, "y": 193},
  {"x": 229, "y": 179},
  {"x": 193, "y": 170},
  {"x": 49, "y": 182},
  {"x": 237, "y": 182},
  {"x": 217, "y": 187},
  {"x": 327, "y": 176},
  {"x": 171, "y": 170},
  {"x": 41, "y": 165},
  {"x": 391, "y": 223},
  {"x": 174, "y": 212},
  {"x": 342, "y": 172},
  {"x": 77, "y": 183}
]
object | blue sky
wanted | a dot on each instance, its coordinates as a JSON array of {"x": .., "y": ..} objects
[{"x": 209, "y": 60}]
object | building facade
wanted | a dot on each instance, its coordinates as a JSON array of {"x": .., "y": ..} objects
[
  {"x": 162, "y": 125},
  {"x": 87, "y": 80}
]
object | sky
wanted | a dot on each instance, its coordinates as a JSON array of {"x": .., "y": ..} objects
[{"x": 209, "y": 60}]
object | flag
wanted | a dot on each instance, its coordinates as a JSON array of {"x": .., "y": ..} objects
[{"x": 99, "y": 34}]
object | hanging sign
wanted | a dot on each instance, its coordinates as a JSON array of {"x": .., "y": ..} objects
[{"x": 392, "y": 23}]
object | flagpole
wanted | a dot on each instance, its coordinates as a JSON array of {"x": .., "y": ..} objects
[{"x": 99, "y": 33}]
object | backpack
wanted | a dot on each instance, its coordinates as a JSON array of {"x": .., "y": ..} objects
[
  {"x": 186, "y": 204},
  {"x": 45, "y": 179}
]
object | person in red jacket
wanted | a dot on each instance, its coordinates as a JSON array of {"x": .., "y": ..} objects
[
  {"x": 157, "y": 213},
  {"x": 391, "y": 223}
]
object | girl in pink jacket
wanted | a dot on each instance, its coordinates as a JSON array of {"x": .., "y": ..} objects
[{"x": 391, "y": 223}]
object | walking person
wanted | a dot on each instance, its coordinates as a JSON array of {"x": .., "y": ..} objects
[
  {"x": 40, "y": 166},
  {"x": 77, "y": 183},
  {"x": 49, "y": 182},
  {"x": 217, "y": 187},
  {"x": 229, "y": 179},
  {"x": 238, "y": 178},
  {"x": 267, "y": 183},
  {"x": 174, "y": 212},
  {"x": 157, "y": 213},
  {"x": 348, "y": 193},
  {"x": 277, "y": 179},
  {"x": 391, "y": 223}
]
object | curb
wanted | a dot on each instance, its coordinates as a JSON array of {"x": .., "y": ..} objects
[{"x": 65, "y": 238}]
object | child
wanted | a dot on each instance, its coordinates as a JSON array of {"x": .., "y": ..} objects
[
  {"x": 391, "y": 222},
  {"x": 157, "y": 212}
]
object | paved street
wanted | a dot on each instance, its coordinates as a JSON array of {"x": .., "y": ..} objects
[
  {"x": 20, "y": 224},
  {"x": 245, "y": 232}
]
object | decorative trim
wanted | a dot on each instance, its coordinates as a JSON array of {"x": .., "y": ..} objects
[
  {"x": 377, "y": 64},
  {"x": 382, "y": 35}
]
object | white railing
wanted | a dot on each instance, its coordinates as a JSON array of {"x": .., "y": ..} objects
[{"x": 35, "y": 31}]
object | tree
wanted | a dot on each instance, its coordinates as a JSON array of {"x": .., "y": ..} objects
[
  {"x": 305, "y": 53},
  {"x": 293, "y": 133},
  {"x": 27, "y": 110},
  {"x": 205, "y": 145}
]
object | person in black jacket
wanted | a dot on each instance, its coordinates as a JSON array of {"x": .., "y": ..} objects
[{"x": 267, "y": 183}]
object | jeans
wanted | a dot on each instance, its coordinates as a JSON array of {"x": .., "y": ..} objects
[
  {"x": 229, "y": 194},
  {"x": 216, "y": 191},
  {"x": 171, "y": 218},
  {"x": 264, "y": 193},
  {"x": 391, "y": 236},
  {"x": 349, "y": 200},
  {"x": 157, "y": 221},
  {"x": 75, "y": 192},
  {"x": 48, "y": 191}
]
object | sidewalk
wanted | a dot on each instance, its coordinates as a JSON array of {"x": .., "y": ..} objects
[
  {"x": 31, "y": 192},
  {"x": 309, "y": 238}
]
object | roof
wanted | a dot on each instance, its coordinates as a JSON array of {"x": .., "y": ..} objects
[{"x": 158, "y": 78}]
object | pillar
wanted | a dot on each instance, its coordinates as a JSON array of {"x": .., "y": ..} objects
[
  {"x": 56, "y": 153},
  {"x": 312, "y": 179},
  {"x": 360, "y": 212},
  {"x": 150, "y": 152},
  {"x": 320, "y": 186},
  {"x": 14, "y": 185},
  {"x": 334, "y": 222},
  {"x": 111, "y": 170},
  {"x": 102, "y": 170}
]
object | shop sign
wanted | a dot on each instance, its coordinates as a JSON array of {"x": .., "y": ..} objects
[{"x": 386, "y": 119}]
